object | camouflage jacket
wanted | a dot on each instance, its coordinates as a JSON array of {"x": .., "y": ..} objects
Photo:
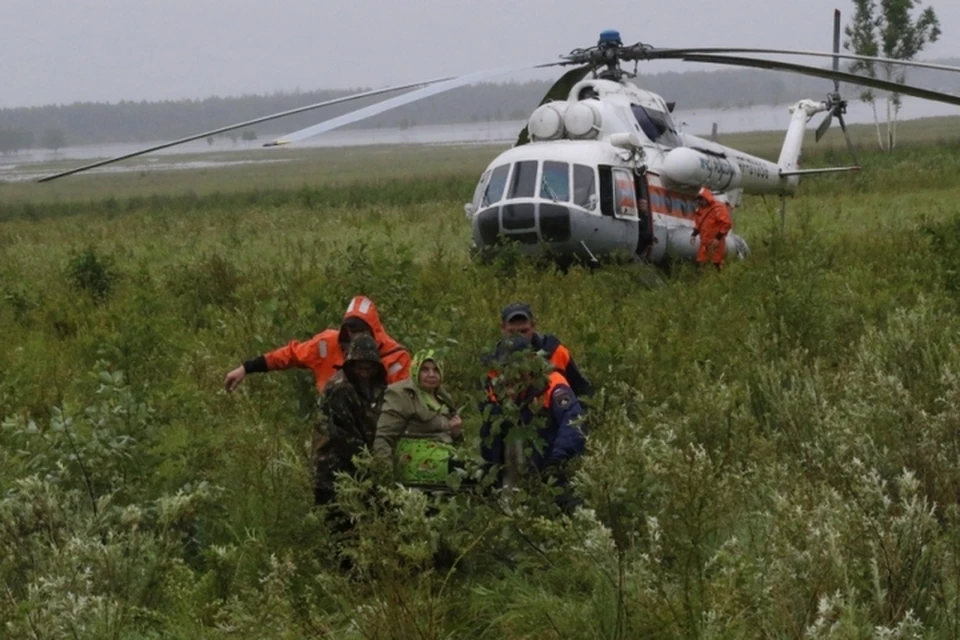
[{"x": 349, "y": 408}]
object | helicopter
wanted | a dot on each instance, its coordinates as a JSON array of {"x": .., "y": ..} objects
[{"x": 601, "y": 170}]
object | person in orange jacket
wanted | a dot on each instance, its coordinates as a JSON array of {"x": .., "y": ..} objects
[
  {"x": 712, "y": 224},
  {"x": 324, "y": 353}
]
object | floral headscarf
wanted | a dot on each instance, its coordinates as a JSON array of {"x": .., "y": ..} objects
[{"x": 419, "y": 358}]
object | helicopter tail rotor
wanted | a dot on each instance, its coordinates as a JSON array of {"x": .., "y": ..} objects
[{"x": 835, "y": 103}]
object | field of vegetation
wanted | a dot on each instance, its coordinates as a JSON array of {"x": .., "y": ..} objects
[{"x": 774, "y": 451}]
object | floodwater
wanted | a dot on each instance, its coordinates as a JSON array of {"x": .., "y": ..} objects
[
  {"x": 768, "y": 118},
  {"x": 18, "y": 167}
]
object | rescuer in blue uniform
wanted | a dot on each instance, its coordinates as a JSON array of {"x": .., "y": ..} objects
[
  {"x": 527, "y": 392},
  {"x": 517, "y": 318}
]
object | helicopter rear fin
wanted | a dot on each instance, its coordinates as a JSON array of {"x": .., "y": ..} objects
[{"x": 793, "y": 141}]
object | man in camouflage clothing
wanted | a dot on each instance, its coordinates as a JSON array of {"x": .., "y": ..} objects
[{"x": 349, "y": 407}]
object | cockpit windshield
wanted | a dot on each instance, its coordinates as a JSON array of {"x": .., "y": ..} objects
[
  {"x": 494, "y": 190},
  {"x": 550, "y": 180},
  {"x": 524, "y": 181},
  {"x": 555, "y": 181},
  {"x": 657, "y": 125}
]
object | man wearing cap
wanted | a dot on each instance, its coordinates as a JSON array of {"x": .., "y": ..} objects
[
  {"x": 517, "y": 319},
  {"x": 526, "y": 392},
  {"x": 324, "y": 353},
  {"x": 712, "y": 224}
]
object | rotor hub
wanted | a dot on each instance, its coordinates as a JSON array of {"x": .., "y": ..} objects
[
  {"x": 837, "y": 104},
  {"x": 609, "y": 52}
]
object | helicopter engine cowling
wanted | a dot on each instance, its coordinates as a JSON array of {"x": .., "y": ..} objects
[
  {"x": 546, "y": 122},
  {"x": 582, "y": 120},
  {"x": 688, "y": 167}
]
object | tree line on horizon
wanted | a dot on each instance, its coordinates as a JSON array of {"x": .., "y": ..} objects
[{"x": 51, "y": 126}]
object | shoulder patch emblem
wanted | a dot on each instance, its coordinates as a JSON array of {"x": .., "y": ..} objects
[
  {"x": 563, "y": 398},
  {"x": 322, "y": 348}
]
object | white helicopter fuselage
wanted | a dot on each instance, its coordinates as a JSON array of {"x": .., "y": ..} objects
[{"x": 606, "y": 173}]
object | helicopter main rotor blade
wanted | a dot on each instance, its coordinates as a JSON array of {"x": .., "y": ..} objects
[
  {"x": 559, "y": 91},
  {"x": 824, "y": 126},
  {"x": 836, "y": 48},
  {"x": 852, "y": 78},
  {"x": 682, "y": 53},
  {"x": 205, "y": 134},
  {"x": 846, "y": 136},
  {"x": 399, "y": 101}
]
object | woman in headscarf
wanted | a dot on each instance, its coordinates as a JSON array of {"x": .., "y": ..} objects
[{"x": 418, "y": 424}]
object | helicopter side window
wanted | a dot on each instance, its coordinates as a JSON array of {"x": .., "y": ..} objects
[
  {"x": 607, "y": 200},
  {"x": 555, "y": 181},
  {"x": 584, "y": 186},
  {"x": 625, "y": 194},
  {"x": 656, "y": 125},
  {"x": 524, "y": 182},
  {"x": 494, "y": 190}
]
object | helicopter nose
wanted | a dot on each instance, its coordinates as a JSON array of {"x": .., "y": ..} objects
[{"x": 523, "y": 222}]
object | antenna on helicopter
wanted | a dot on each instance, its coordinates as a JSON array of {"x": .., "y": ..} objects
[{"x": 837, "y": 105}]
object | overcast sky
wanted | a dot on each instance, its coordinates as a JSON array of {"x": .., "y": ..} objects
[{"x": 63, "y": 51}]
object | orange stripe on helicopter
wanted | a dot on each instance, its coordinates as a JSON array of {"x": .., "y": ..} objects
[{"x": 672, "y": 203}]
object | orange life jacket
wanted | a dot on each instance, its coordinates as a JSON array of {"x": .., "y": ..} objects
[{"x": 323, "y": 355}]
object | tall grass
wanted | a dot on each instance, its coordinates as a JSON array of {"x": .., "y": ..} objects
[{"x": 774, "y": 450}]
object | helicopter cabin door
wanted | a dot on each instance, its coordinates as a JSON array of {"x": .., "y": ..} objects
[
  {"x": 618, "y": 209},
  {"x": 645, "y": 237},
  {"x": 632, "y": 203}
]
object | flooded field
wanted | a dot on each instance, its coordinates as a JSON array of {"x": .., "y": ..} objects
[{"x": 222, "y": 152}]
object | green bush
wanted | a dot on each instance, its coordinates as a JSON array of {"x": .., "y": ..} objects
[{"x": 92, "y": 273}]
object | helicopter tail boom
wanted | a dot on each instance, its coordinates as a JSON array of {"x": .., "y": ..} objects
[{"x": 811, "y": 172}]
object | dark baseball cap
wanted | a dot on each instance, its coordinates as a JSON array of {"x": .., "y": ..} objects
[{"x": 516, "y": 310}]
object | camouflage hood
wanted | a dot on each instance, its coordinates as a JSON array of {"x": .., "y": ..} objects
[{"x": 363, "y": 348}]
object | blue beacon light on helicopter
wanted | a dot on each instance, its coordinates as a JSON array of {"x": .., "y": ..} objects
[{"x": 610, "y": 37}]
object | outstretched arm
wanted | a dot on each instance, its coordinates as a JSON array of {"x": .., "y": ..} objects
[{"x": 293, "y": 354}]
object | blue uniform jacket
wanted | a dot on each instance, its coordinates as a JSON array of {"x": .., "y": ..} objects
[
  {"x": 549, "y": 343},
  {"x": 560, "y": 428}
]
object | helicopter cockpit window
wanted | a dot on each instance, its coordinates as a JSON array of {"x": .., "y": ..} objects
[
  {"x": 657, "y": 125},
  {"x": 524, "y": 182},
  {"x": 584, "y": 186},
  {"x": 480, "y": 189},
  {"x": 494, "y": 190},
  {"x": 555, "y": 181}
]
